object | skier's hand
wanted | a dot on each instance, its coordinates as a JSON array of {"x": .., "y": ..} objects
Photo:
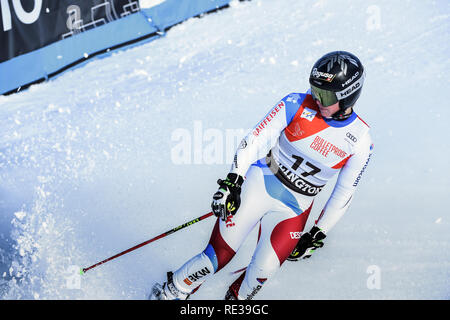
[
  {"x": 308, "y": 242},
  {"x": 227, "y": 199}
]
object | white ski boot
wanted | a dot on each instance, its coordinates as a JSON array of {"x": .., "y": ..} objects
[{"x": 167, "y": 291}]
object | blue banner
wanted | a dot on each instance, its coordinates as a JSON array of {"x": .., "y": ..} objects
[{"x": 79, "y": 34}]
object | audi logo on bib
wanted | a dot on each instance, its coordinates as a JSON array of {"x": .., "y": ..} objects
[{"x": 351, "y": 137}]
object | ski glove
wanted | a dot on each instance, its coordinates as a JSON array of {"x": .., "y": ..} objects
[
  {"x": 308, "y": 242},
  {"x": 227, "y": 199}
]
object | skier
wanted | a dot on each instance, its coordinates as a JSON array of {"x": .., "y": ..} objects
[{"x": 305, "y": 139}]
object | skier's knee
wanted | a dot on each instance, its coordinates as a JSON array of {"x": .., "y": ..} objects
[
  {"x": 219, "y": 255},
  {"x": 218, "y": 251}
]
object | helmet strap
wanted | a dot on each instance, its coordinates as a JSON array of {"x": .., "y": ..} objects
[{"x": 343, "y": 114}]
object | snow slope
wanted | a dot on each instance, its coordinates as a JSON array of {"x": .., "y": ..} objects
[{"x": 88, "y": 161}]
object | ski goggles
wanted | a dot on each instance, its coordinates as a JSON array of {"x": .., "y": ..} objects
[
  {"x": 346, "y": 97},
  {"x": 325, "y": 97}
]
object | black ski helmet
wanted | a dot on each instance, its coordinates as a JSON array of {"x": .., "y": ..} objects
[{"x": 338, "y": 76}]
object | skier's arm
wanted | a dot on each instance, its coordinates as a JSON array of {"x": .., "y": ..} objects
[
  {"x": 264, "y": 135},
  {"x": 255, "y": 145},
  {"x": 346, "y": 185}
]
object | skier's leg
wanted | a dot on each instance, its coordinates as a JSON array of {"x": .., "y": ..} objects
[
  {"x": 227, "y": 236},
  {"x": 279, "y": 233}
]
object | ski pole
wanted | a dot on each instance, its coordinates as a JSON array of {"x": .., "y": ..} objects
[{"x": 162, "y": 235}]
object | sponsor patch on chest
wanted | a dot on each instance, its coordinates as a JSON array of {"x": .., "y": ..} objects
[
  {"x": 308, "y": 114},
  {"x": 326, "y": 148}
]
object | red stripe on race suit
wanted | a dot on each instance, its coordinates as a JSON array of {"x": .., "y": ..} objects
[
  {"x": 320, "y": 217},
  {"x": 281, "y": 238},
  {"x": 302, "y": 127},
  {"x": 342, "y": 163},
  {"x": 363, "y": 121},
  {"x": 236, "y": 285},
  {"x": 224, "y": 252}
]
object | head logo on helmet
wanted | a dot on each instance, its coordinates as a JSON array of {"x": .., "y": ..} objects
[
  {"x": 338, "y": 76},
  {"x": 351, "y": 79}
]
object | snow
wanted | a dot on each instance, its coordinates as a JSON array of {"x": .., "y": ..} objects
[{"x": 87, "y": 165}]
